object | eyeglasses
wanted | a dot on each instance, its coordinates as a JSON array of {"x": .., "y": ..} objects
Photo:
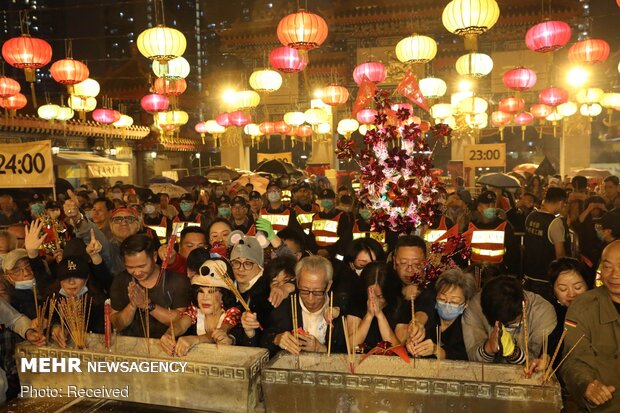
[
  {"x": 128, "y": 219},
  {"x": 301, "y": 291},
  {"x": 27, "y": 269},
  {"x": 409, "y": 264},
  {"x": 247, "y": 265}
]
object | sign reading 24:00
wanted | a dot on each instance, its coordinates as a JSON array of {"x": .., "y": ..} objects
[{"x": 26, "y": 165}]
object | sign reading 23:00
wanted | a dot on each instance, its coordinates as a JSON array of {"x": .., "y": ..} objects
[
  {"x": 484, "y": 155},
  {"x": 26, "y": 165}
]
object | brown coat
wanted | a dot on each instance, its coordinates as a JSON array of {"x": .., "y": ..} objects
[{"x": 598, "y": 354}]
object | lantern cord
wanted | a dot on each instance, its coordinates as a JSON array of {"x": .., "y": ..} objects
[{"x": 23, "y": 22}]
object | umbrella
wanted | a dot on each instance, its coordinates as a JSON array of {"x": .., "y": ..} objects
[
  {"x": 222, "y": 173},
  {"x": 545, "y": 168},
  {"x": 275, "y": 167},
  {"x": 260, "y": 183},
  {"x": 192, "y": 180},
  {"x": 530, "y": 168},
  {"x": 161, "y": 180},
  {"x": 593, "y": 173},
  {"x": 499, "y": 180},
  {"x": 141, "y": 191},
  {"x": 174, "y": 191},
  {"x": 62, "y": 185}
]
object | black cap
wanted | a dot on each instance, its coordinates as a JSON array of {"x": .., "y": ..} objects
[
  {"x": 52, "y": 205},
  {"x": 255, "y": 195},
  {"x": 72, "y": 267},
  {"x": 187, "y": 198},
  {"x": 487, "y": 197},
  {"x": 239, "y": 200},
  {"x": 346, "y": 200},
  {"x": 303, "y": 185},
  {"x": 152, "y": 199},
  {"x": 224, "y": 199},
  {"x": 274, "y": 183},
  {"x": 611, "y": 220},
  {"x": 327, "y": 194}
]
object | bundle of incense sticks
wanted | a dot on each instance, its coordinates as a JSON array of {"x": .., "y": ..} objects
[
  {"x": 545, "y": 345},
  {"x": 438, "y": 348},
  {"x": 232, "y": 287},
  {"x": 413, "y": 321},
  {"x": 350, "y": 348},
  {"x": 555, "y": 354},
  {"x": 525, "y": 336},
  {"x": 107, "y": 319},
  {"x": 331, "y": 323},
  {"x": 295, "y": 324},
  {"x": 565, "y": 357},
  {"x": 74, "y": 314},
  {"x": 52, "y": 308},
  {"x": 145, "y": 320},
  {"x": 174, "y": 339}
]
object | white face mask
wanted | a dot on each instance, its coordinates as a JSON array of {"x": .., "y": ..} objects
[
  {"x": 273, "y": 196},
  {"x": 149, "y": 209},
  {"x": 83, "y": 291},
  {"x": 24, "y": 285}
]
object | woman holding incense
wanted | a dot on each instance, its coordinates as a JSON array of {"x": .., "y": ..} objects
[
  {"x": 454, "y": 290},
  {"x": 213, "y": 304},
  {"x": 374, "y": 318}
]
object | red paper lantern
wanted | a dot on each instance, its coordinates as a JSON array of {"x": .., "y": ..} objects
[
  {"x": 169, "y": 87},
  {"x": 223, "y": 119},
  {"x": 303, "y": 131},
  {"x": 524, "y": 118},
  {"x": 106, "y": 116},
  {"x": 282, "y": 128},
  {"x": 201, "y": 127},
  {"x": 590, "y": 51},
  {"x": 511, "y": 104},
  {"x": 425, "y": 126},
  {"x": 302, "y": 30},
  {"x": 69, "y": 72},
  {"x": 366, "y": 116},
  {"x": 540, "y": 110},
  {"x": 267, "y": 128},
  {"x": 520, "y": 79},
  {"x": 553, "y": 96},
  {"x": 154, "y": 103},
  {"x": 14, "y": 102},
  {"x": 334, "y": 95},
  {"x": 548, "y": 36},
  {"x": 238, "y": 118},
  {"x": 375, "y": 72},
  {"x": 499, "y": 118},
  {"x": 288, "y": 60},
  {"x": 26, "y": 52},
  {"x": 8, "y": 87}
]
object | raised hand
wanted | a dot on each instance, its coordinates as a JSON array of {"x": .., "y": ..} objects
[
  {"x": 94, "y": 246},
  {"x": 32, "y": 239}
]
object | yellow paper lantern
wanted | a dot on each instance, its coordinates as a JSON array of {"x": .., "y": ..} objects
[
  {"x": 324, "y": 128},
  {"x": 567, "y": 109},
  {"x": 473, "y": 105},
  {"x": 590, "y": 110},
  {"x": 457, "y": 97},
  {"x": 590, "y": 95},
  {"x": 348, "y": 126},
  {"x": 246, "y": 99},
  {"x": 477, "y": 120},
  {"x": 214, "y": 128},
  {"x": 611, "y": 101},
  {"x": 470, "y": 18},
  {"x": 172, "y": 117},
  {"x": 161, "y": 43},
  {"x": 252, "y": 129},
  {"x": 88, "y": 88},
  {"x": 442, "y": 110},
  {"x": 474, "y": 65},
  {"x": 365, "y": 128},
  {"x": 64, "y": 113},
  {"x": 124, "y": 122},
  {"x": 177, "y": 68},
  {"x": 81, "y": 104},
  {"x": 294, "y": 118},
  {"x": 416, "y": 49},
  {"x": 315, "y": 116},
  {"x": 265, "y": 80},
  {"x": 48, "y": 112},
  {"x": 433, "y": 87}
]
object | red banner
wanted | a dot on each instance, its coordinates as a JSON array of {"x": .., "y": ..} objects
[
  {"x": 364, "y": 96},
  {"x": 409, "y": 88}
]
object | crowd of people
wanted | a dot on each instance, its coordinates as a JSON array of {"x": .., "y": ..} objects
[{"x": 232, "y": 266}]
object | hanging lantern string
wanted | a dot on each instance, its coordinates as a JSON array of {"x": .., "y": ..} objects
[{"x": 23, "y": 22}]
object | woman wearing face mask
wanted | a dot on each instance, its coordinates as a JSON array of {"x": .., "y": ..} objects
[
  {"x": 454, "y": 290},
  {"x": 187, "y": 213},
  {"x": 223, "y": 207}
]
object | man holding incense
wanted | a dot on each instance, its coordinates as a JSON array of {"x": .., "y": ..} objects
[
  {"x": 591, "y": 370},
  {"x": 145, "y": 298}
]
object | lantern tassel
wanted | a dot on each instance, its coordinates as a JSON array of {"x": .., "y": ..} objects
[
  {"x": 541, "y": 132},
  {"x": 523, "y": 133},
  {"x": 34, "y": 95},
  {"x": 501, "y": 134}
]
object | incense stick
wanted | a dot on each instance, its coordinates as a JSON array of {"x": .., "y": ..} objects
[
  {"x": 36, "y": 304},
  {"x": 565, "y": 357},
  {"x": 438, "y": 348},
  {"x": 525, "y": 336},
  {"x": 555, "y": 354},
  {"x": 147, "y": 316},
  {"x": 74, "y": 313},
  {"x": 347, "y": 342},
  {"x": 52, "y": 306},
  {"x": 331, "y": 323},
  {"x": 545, "y": 347},
  {"x": 174, "y": 341}
]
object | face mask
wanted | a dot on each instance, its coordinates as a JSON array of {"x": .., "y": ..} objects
[
  {"x": 273, "y": 196},
  {"x": 149, "y": 209},
  {"x": 489, "y": 213},
  {"x": 600, "y": 236},
  {"x": 54, "y": 213},
  {"x": 117, "y": 195},
  {"x": 24, "y": 285},
  {"x": 365, "y": 214},
  {"x": 327, "y": 203},
  {"x": 186, "y": 206},
  {"x": 449, "y": 311},
  {"x": 223, "y": 212},
  {"x": 37, "y": 209},
  {"x": 83, "y": 291}
]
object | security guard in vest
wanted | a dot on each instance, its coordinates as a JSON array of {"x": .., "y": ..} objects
[
  {"x": 332, "y": 229},
  {"x": 545, "y": 240},
  {"x": 155, "y": 220},
  {"x": 304, "y": 207},
  {"x": 279, "y": 215},
  {"x": 187, "y": 213},
  {"x": 494, "y": 246},
  {"x": 362, "y": 228}
]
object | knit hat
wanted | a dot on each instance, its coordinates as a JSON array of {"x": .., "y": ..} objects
[
  {"x": 72, "y": 267},
  {"x": 246, "y": 247}
]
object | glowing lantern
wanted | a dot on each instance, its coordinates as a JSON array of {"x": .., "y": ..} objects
[
  {"x": 294, "y": 118},
  {"x": 470, "y": 18},
  {"x": 323, "y": 128},
  {"x": 265, "y": 80},
  {"x": 473, "y": 105},
  {"x": 548, "y": 36},
  {"x": 500, "y": 119},
  {"x": 442, "y": 111},
  {"x": 88, "y": 88},
  {"x": 590, "y": 110},
  {"x": 374, "y": 71},
  {"x": 28, "y": 53},
  {"x": 316, "y": 116},
  {"x": 334, "y": 95},
  {"x": 124, "y": 122},
  {"x": 591, "y": 51},
  {"x": 416, "y": 49},
  {"x": 304, "y": 131},
  {"x": 172, "y": 117},
  {"x": 519, "y": 79},
  {"x": 214, "y": 128},
  {"x": 154, "y": 102},
  {"x": 302, "y": 30},
  {"x": 474, "y": 65},
  {"x": 267, "y": 128},
  {"x": 161, "y": 43},
  {"x": 169, "y": 87},
  {"x": 567, "y": 109},
  {"x": 48, "y": 112},
  {"x": 64, "y": 114},
  {"x": 590, "y": 95},
  {"x": 363, "y": 129},
  {"x": 239, "y": 118},
  {"x": 288, "y": 60},
  {"x": 611, "y": 101},
  {"x": 348, "y": 126},
  {"x": 511, "y": 104},
  {"x": 246, "y": 99},
  {"x": 106, "y": 116},
  {"x": 223, "y": 119},
  {"x": 366, "y": 116},
  {"x": 14, "y": 102},
  {"x": 476, "y": 120},
  {"x": 282, "y": 128},
  {"x": 433, "y": 87},
  {"x": 177, "y": 68},
  {"x": 540, "y": 110},
  {"x": 69, "y": 72},
  {"x": 252, "y": 129},
  {"x": 201, "y": 128},
  {"x": 553, "y": 96},
  {"x": 80, "y": 104},
  {"x": 523, "y": 119},
  {"x": 8, "y": 87}
]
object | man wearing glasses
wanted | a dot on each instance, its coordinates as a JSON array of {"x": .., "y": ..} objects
[{"x": 314, "y": 279}]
